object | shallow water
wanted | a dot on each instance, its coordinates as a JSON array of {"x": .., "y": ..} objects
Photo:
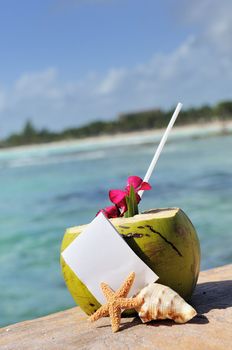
[{"x": 45, "y": 190}]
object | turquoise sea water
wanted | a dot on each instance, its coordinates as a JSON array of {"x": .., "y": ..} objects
[{"x": 45, "y": 189}]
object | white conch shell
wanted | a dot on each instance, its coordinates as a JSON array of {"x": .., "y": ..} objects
[{"x": 161, "y": 302}]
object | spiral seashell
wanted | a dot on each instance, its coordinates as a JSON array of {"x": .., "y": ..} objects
[{"x": 161, "y": 302}]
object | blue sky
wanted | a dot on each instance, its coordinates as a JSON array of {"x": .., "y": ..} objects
[{"x": 66, "y": 62}]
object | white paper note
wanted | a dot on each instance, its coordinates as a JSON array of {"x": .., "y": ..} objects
[{"x": 100, "y": 254}]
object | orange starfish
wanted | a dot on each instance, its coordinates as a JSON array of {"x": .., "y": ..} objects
[{"x": 117, "y": 302}]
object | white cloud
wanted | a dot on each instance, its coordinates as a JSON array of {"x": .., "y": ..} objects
[
  {"x": 198, "y": 71},
  {"x": 111, "y": 82},
  {"x": 36, "y": 84}
]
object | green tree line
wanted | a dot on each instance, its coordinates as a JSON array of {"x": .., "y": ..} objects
[{"x": 128, "y": 122}]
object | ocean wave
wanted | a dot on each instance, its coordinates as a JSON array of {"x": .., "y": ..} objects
[
  {"x": 104, "y": 142},
  {"x": 88, "y": 149},
  {"x": 47, "y": 160}
]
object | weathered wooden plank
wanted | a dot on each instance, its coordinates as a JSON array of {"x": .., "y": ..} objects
[{"x": 69, "y": 330}]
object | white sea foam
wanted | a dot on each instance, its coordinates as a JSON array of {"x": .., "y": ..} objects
[
  {"x": 47, "y": 153},
  {"x": 40, "y": 161}
]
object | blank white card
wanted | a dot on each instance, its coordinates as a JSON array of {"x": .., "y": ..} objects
[{"x": 100, "y": 254}]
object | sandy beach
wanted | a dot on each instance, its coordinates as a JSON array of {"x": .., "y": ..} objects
[{"x": 129, "y": 138}]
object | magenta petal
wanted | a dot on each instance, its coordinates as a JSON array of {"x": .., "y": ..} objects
[
  {"x": 112, "y": 211},
  {"x": 138, "y": 198},
  {"x": 145, "y": 186},
  {"x": 135, "y": 181},
  {"x": 103, "y": 211},
  {"x": 123, "y": 207},
  {"x": 116, "y": 196}
]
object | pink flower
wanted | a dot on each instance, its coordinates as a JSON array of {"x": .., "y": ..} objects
[
  {"x": 118, "y": 197},
  {"x": 137, "y": 183},
  {"x": 110, "y": 212}
]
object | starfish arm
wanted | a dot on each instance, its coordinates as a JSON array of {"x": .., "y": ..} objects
[
  {"x": 130, "y": 303},
  {"x": 107, "y": 291},
  {"x": 101, "y": 312},
  {"x": 115, "y": 316},
  {"x": 125, "y": 288}
]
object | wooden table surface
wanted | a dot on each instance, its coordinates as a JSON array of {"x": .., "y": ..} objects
[{"x": 70, "y": 329}]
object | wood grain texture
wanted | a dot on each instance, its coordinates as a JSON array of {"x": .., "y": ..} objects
[{"x": 68, "y": 330}]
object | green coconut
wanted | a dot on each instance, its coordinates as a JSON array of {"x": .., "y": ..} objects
[{"x": 165, "y": 239}]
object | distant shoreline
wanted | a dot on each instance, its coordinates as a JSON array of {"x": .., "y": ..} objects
[
  {"x": 144, "y": 136},
  {"x": 216, "y": 118}
]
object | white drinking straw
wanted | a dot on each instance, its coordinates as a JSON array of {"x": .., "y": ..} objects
[{"x": 161, "y": 145}]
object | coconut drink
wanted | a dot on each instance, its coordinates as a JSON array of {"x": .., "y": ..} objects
[{"x": 164, "y": 239}]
